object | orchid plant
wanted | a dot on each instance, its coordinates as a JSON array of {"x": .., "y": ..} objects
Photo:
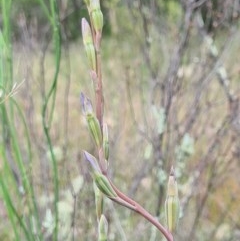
[{"x": 103, "y": 185}]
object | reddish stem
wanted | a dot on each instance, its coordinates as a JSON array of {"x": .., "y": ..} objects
[
  {"x": 98, "y": 88},
  {"x": 143, "y": 212},
  {"x": 122, "y": 198}
]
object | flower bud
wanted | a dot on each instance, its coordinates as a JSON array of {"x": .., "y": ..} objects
[
  {"x": 98, "y": 201},
  {"x": 88, "y": 44},
  {"x": 96, "y": 15},
  {"x": 86, "y": 104},
  {"x": 91, "y": 56},
  {"x": 93, "y": 162},
  {"x": 97, "y": 20},
  {"x": 105, "y": 141},
  {"x": 94, "y": 127},
  {"x": 102, "y": 229},
  {"x": 172, "y": 203},
  {"x": 104, "y": 185},
  {"x": 86, "y": 32},
  {"x": 92, "y": 121}
]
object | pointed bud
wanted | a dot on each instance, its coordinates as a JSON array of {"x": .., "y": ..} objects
[
  {"x": 93, "y": 162},
  {"x": 98, "y": 201},
  {"x": 86, "y": 104},
  {"x": 88, "y": 44},
  {"x": 102, "y": 229},
  {"x": 105, "y": 141},
  {"x": 94, "y": 127},
  {"x": 172, "y": 203},
  {"x": 104, "y": 185},
  {"x": 91, "y": 56},
  {"x": 97, "y": 20},
  {"x": 92, "y": 121},
  {"x": 86, "y": 32},
  {"x": 172, "y": 189},
  {"x": 96, "y": 15}
]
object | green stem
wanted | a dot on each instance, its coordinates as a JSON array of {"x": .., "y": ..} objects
[
  {"x": 31, "y": 189},
  {"x": 10, "y": 138},
  {"x": 19, "y": 161},
  {"x": 13, "y": 210},
  {"x": 4, "y": 176},
  {"x": 7, "y": 80},
  {"x": 51, "y": 95}
]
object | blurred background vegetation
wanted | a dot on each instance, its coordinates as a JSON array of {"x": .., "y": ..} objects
[{"x": 171, "y": 75}]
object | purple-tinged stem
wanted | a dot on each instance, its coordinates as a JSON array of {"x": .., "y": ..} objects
[{"x": 141, "y": 211}]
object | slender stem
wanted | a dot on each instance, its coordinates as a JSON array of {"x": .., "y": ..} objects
[
  {"x": 99, "y": 89},
  {"x": 11, "y": 208},
  {"x": 99, "y": 95},
  {"x": 29, "y": 180},
  {"x": 51, "y": 95},
  {"x": 154, "y": 221},
  {"x": 121, "y": 199},
  {"x": 141, "y": 211},
  {"x": 6, "y": 170},
  {"x": 7, "y": 80}
]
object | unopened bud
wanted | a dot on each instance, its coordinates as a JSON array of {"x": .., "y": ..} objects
[
  {"x": 172, "y": 188},
  {"x": 94, "y": 127},
  {"x": 98, "y": 201},
  {"x": 91, "y": 56},
  {"x": 86, "y": 104},
  {"x": 105, "y": 141},
  {"x": 88, "y": 44},
  {"x": 95, "y": 168},
  {"x": 102, "y": 229},
  {"x": 96, "y": 15},
  {"x": 172, "y": 203},
  {"x": 104, "y": 185},
  {"x": 92, "y": 121},
  {"x": 97, "y": 20},
  {"x": 86, "y": 32}
]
